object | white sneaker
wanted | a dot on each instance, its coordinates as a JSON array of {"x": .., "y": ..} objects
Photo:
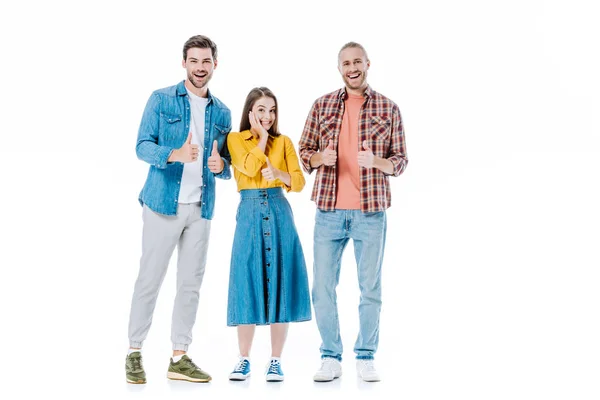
[
  {"x": 366, "y": 370},
  {"x": 330, "y": 370}
]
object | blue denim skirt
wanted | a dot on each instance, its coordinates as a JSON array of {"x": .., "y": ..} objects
[{"x": 268, "y": 282}]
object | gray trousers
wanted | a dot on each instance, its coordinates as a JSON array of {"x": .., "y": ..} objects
[{"x": 161, "y": 233}]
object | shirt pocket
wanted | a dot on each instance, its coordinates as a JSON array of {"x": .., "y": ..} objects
[
  {"x": 221, "y": 129},
  {"x": 172, "y": 126},
  {"x": 328, "y": 128},
  {"x": 170, "y": 118},
  {"x": 381, "y": 128},
  {"x": 220, "y": 135}
]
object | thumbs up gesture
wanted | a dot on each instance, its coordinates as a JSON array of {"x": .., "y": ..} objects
[
  {"x": 329, "y": 154},
  {"x": 215, "y": 162},
  {"x": 188, "y": 152},
  {"x": 270, "y": 173},
  {"x": 366, "y": 157}
]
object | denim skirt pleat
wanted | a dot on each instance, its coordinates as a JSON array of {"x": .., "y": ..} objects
[{"x": 268, "y": 282}]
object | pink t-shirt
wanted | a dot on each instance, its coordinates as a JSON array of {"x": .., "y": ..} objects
[{"x": 348, "y": 181}]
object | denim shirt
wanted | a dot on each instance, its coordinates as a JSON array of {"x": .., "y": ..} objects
[{"x": 165, "y": 126}]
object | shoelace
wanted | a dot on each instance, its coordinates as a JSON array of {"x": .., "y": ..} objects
[
  {"x": 274, "y": 367},
  {"x": 241, "y": 366},
  {"x": 326, "y": 362},
  {"x": 136, "y": 363},
  {"x": 369, "y": 366},
  {"x": 190, "y": 364}
]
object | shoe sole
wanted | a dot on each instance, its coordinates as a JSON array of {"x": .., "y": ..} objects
[
  {"x": 369, "y": 380},
  {"x": 323, "y": 379},
  {"x": 180, "y": 377},
  {"x": 274, "y": 378},
  {"x": 238, "y": 377},
  {"x": 138, "y": 382}
]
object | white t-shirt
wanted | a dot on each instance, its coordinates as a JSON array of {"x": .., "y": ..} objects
[{"x": 191, "y": 181}]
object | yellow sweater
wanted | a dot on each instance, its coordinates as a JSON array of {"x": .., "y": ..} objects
[{"x": 248, "y": 160}]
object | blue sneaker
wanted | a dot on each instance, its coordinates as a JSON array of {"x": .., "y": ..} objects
[
  {"x": 274, "y": 372},
  {"x": 241, "y": 372}
]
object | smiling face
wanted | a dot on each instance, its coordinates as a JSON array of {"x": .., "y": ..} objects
[
  {"x": 199, "y": 66},
  {"x": 353, "y": 66},
  {"x": 266, "y": 111}
]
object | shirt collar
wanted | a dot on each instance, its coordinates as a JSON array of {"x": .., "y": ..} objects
[
  {"x": 247, "y": 134},
  {"x": 343, "y": 94},
  {"x": 182, "y": 91}
]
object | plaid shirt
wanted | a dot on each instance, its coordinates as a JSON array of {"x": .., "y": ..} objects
[{"x": 380, "y": 124}]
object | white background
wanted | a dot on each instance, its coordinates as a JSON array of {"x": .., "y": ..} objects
[{"x": 491, "y": 280}]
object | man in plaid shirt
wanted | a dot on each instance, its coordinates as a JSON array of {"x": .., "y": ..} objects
[{"x": 354, "y": 138}]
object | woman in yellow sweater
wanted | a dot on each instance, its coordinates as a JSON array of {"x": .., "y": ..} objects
[{"x": 268, "y": 283}]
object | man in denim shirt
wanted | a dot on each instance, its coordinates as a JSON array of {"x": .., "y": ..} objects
[{"x": 183, "y": 137}]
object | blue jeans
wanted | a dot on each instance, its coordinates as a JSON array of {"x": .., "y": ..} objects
[{"x": 333, "y": 229}]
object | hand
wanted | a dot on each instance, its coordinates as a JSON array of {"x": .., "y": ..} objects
[
  {"x": 215, "y": 162},
  {"x": 366, "y": 159},
  {"x": 256, "y": 127},
  {"x": 270, "y": 173},
  {"x": 329, "y": 156},
  {"x": 188, "y": 152}
]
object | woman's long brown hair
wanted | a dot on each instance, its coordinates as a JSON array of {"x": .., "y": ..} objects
[{"x": 252, "y": 97}]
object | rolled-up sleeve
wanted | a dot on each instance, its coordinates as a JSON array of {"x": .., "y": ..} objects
[
  {"x": 309, "y": 141},
  {"x": 297, "y": 180},
  {"x": 226, "y": 157},
  {"x": 248, "y": 163},
  {"x": 147, "y": 148},
  {"x": 397, "y": 153}
]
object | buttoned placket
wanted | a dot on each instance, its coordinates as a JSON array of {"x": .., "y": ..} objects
[
  {"x": 268, "y": 251},
  {"x": 206, "y": 146}
]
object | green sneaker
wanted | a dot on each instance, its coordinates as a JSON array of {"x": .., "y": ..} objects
[
  {"x": 186, "y": 370},
  {"x": 134, "y": 370}
]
